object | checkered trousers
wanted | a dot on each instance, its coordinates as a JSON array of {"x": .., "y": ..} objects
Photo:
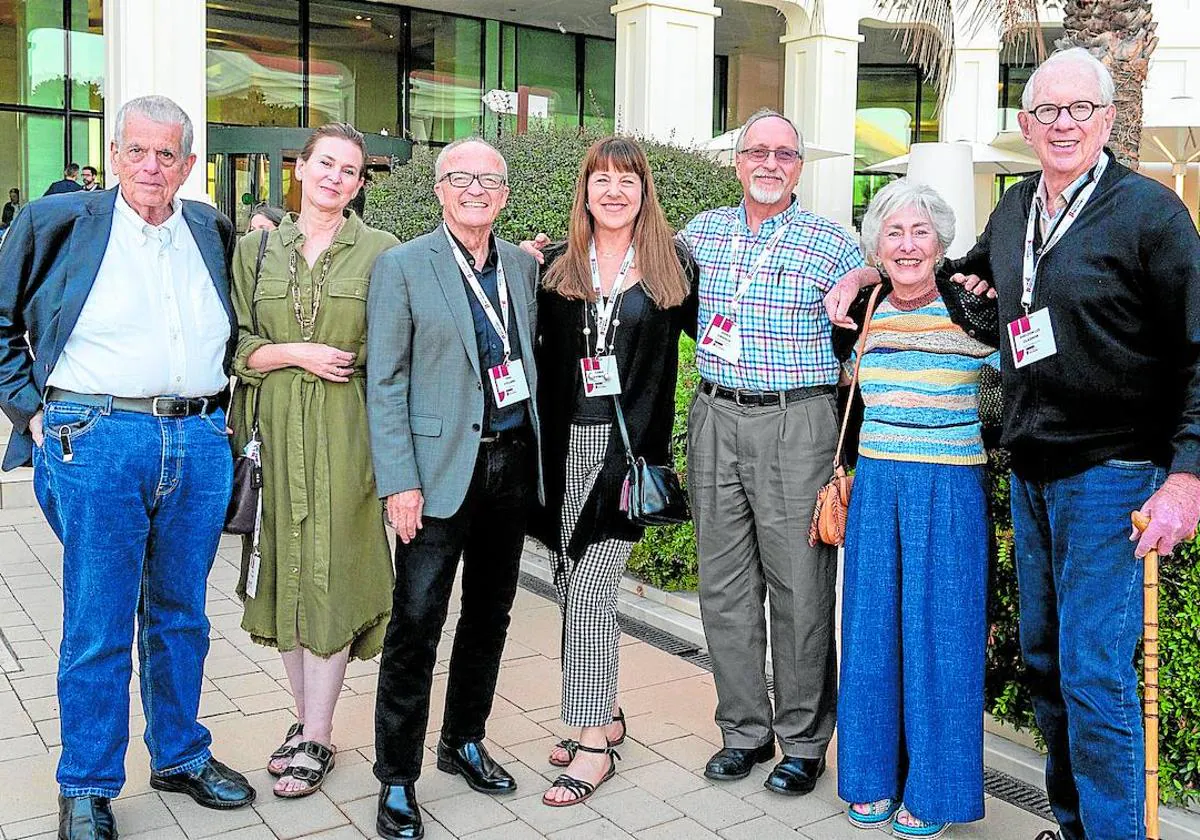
[
  {"x": 587, "y": 592},
  {"x": 786, "y": 336}
]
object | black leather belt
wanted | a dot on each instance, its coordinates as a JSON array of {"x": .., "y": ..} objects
[
  {"x": 158, "y": 406},
  {"x": 741, "y": 396},
  {"x": 504, "y": 436}
]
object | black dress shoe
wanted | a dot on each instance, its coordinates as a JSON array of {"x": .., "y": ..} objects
[
  {"x": 731, "y": 763},
  {"x": 399, "y": 817},
  {"x": 212, "y": 785},
  {"x": 85, "y": 818},
  {"x": 795, "y": 776},
  {"x": 474, "y": 764}
]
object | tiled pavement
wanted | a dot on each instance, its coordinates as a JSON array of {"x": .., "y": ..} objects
[{"x": 658, "y": 794}]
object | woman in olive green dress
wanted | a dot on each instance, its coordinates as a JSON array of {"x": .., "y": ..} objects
[{"x": 319, "y": 585}]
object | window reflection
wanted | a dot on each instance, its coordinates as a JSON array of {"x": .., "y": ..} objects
[
  {"x": 446, "y": 67},
  {"x": 255, "y": 73},
  {"x": 355, "y": 65}
]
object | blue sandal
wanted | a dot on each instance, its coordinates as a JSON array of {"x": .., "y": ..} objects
[
  {"x": 881, "y": 811},
  {"x": 922, "y": 831}
]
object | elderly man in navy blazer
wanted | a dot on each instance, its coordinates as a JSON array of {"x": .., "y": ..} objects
[{"x": 115, "y": 326}]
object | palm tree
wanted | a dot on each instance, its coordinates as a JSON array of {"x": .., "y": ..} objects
[{"x": 1121, "y": 34}]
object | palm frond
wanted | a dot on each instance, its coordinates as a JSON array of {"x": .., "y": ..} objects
[
  {"x": 927, "y": 27},
  {"x": 1016, "y": 21}
]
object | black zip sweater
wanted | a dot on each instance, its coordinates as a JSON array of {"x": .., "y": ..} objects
[{"x": 1123, "y": 290}]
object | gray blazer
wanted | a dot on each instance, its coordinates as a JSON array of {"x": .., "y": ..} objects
[{"x": 425, "y": 390}]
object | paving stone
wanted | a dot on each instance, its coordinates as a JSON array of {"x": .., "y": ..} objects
[
  {"x": 246, "y": 685},
  {"x": 763, "y": 828},
  {"x": 548, "y": 820},
  {"x": 664, "y": 779},
  {"x": 351, "y": 779},
  {"x": 29, "y": 687},
  {"x": 690, "y": 752},
  {"x": 632, "y": 809},
  {"x": 141, "y": 814},
  {"x": 290, "y": 818},
  {"x": 468, "y": 812},
  {"x": 514, "y": 729},
  {"x": 173, "y": 832},
  {"x": 22, "y": 747},
  {"x": 793, "y": 811},
  {"x": 14, "y": 722},
  {"x": 509, "y": 831},
  {"x": 684, "y": 829},
  {"x": 715, "y": 808},
  {"x": 598, "y": 830},
  {"x": 346, "y": 832},
  {"x": 362, "y": 813},
  {"x": 31, "y": 828},
  {"x": 207, "y": 822}
]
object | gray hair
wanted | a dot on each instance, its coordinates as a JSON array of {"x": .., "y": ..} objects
[
  {"x": 157, "y": 109},
  {"x": 1078, "y": 56},
  {"x": 897, "y": 196},
  {"x": 762, "y": 114},
  {"x": 440, "y": 164}
]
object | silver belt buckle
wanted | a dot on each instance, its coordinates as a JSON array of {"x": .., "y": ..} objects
[{"x": 173, "y": 406}]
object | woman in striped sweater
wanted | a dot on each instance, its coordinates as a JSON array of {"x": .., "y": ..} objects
[{"x": 910, "y": 711}]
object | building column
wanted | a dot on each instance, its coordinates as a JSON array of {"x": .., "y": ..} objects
[
  {"x": 971, "y": 112},
  {"x": 159, "y": 48},
  {"x": 820, "y": 95},
  {"x": 665, "y": 68}
]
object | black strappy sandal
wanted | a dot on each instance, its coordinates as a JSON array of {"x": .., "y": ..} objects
[
  {"x": 581, "y": 790},
  {"x": 285, "y": 751},
  {"x": 314, "y": 777},
  {"x": 570, "y": 745}
]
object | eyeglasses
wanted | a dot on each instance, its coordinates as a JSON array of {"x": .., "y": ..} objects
[
  {"x": 759, "y": 154},
  {"x": 462, "y": 180},
  {"x": 1080, "y": 111}
]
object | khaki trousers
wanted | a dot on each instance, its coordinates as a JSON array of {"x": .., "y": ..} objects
[{"x": 753, "y": 474}]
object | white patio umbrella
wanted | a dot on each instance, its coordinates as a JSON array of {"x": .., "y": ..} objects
[
  {"x": 1171, "y": 134},
  {"x": 986, "y": 159},
  {"x": 721, "y": 147}
]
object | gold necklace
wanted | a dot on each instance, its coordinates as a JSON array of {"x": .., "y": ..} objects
[{"x": 308, "y": 324}]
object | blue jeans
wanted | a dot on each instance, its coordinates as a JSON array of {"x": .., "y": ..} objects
[
  {"x": 910, "y": 710},
  {"x": 138, "y": 502},
  {"x": 1081, "y": 618}
]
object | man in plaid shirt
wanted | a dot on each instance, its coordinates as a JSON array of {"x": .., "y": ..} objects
[{"x": 762, "y": 430}]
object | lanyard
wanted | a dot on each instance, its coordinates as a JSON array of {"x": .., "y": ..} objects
[
  {"x": 765, "y": 254},
  {"x": 606, "y": 308},
  {"x": 468, "y": 274},
  {"x": 1061, "y": 226}
]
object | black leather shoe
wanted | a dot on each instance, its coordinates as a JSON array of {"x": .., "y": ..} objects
[
  {"x": 85, "y": 818},
  {"x": 399, "y": 817},
  {"x": 731, "y": 763},
  {"x": 795, "y": 776},
  {"x": 473, "y": 763},
  {"x": 212, "y": 785}
]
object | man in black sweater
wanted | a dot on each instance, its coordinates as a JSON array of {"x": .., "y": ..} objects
[{"x": 1097, "y": 270}]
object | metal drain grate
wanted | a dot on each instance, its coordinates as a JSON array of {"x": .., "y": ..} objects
[{"x": 1016, "y": 792}]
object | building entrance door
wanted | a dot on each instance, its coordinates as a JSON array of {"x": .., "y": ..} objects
[{"x": 252, "y": 165}]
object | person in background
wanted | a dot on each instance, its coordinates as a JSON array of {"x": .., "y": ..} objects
[
  {"x": 910, "y": 708},
  {"x": 10, "y": 208},
  {"x": 615, "y": 292},
  {"x": 68, "y": 183},
  {"x": 264, "y": 217},
  {"x": 316, "y": 581},
  {"x": 89, "y": 175}
]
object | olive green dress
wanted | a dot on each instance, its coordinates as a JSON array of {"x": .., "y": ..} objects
[{"x": 325, "y": 578}]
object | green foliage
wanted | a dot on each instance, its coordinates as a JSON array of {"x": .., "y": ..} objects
[{"x": 542, "y": 168}]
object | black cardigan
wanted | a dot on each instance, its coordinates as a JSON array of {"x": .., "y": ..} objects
[
  {"x": 1123, "y": 290},
  {"x": 648, "y": 363}
]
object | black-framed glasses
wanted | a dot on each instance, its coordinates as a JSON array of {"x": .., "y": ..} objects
[
  {"x": 462, "y": 180},
  {"x": 759, "y": 154},
  {"x": 1080, "y": 111}
]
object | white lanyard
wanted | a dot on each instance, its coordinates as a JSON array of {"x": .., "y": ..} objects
[
  {"x": 1030, "y": 265},
  {"x": 606, "y": 308},
  {"x": 468, "y": 274},
  {"x": 763, "y": 256}
]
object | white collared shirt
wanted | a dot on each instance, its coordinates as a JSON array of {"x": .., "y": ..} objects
[
  {"x": 1047, "y": 211},
  {"x": 153, "y": 323}
]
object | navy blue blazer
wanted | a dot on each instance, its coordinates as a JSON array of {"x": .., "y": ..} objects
[{"x": 48, "y": 263}]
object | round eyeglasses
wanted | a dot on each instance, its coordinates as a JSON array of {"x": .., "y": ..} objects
[
  {"x": 1080, "y": 111},
  {"x": 462, "y": 180},
  {"x": 759, "y": 155}
]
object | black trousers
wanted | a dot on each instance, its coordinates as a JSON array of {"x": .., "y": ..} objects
[{"x": 487, "y": 532}]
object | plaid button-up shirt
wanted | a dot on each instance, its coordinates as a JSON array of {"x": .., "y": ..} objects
[{"x": 785, "y": 333}]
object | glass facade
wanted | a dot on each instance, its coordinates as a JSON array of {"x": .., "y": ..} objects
[
  {"x": 388, "y": 68},
  {"x": 51, "y": 91}
]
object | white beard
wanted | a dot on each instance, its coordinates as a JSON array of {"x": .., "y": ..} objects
[{"x": 763, "y": 195}]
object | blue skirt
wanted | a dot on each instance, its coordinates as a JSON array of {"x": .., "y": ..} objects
[{"x": 910, "y": 708}]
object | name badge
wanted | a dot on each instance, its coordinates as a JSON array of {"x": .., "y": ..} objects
[
  {"x": 722, "y": 339},
  {"x": 509, "y": 385},
  {"x": 600, "y": 377},
  {"x": 1032, "y": 338},
  {"x": 252, "y": 573}
]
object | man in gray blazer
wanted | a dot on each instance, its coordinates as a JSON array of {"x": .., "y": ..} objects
[{"x": 454, "y": 436}]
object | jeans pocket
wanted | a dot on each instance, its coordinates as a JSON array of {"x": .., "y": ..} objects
[
  {"x": 64, "y": 425},
  {"x": 216, "y": 422}
]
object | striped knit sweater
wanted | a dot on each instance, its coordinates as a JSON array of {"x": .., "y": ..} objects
[{"x": 920, "y": 384}]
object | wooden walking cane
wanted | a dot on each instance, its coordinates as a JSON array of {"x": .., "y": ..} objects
[{"x": 1150, "y": 673}]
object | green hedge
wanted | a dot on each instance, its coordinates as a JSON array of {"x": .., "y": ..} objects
[{"x": 542, "y": 168}]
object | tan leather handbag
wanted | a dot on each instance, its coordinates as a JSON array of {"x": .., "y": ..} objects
[{"x": 833, "y": 500}]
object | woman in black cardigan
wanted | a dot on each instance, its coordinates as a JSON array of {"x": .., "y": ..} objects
[{"x": 615, "y": 297}]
